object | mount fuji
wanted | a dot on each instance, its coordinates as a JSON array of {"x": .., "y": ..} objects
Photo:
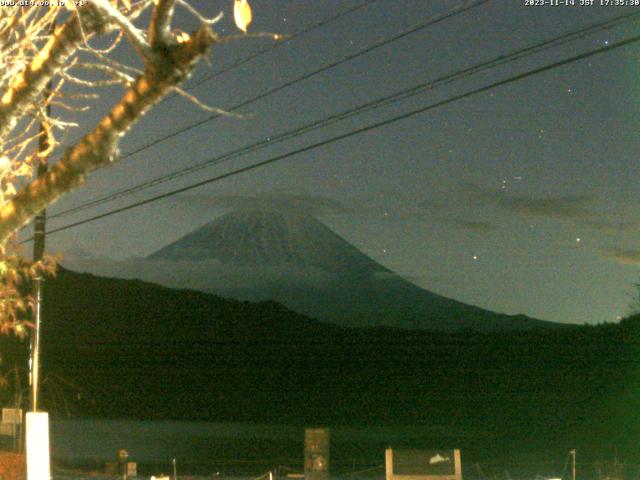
[{"x": 291, "y": 257}]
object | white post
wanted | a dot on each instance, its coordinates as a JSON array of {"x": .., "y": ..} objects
[{"x": 38, "y": 446}]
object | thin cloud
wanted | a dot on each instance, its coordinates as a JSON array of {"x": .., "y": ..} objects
[
  {"x": 625, "y": 257},
  {"x": 208, "y": 275},
  {"x": 311, "y": 204},
  {"x": 564, "y": 208},
  {"x": 607, "y": 226},
  {"x": 567, "y": 207},
  {"x": 431, "y": 205},
  {"x": 470, "y": 225}
]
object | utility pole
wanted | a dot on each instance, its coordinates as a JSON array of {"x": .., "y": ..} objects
[
  {"x": 573, "y": 462},
  {"x": 37, "y": 423},
  {"x": 38, "y": 252},
  {"x": 38, "y": 245}
]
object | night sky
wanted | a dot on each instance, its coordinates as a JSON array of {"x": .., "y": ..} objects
[{"x": 520, "y": 199}]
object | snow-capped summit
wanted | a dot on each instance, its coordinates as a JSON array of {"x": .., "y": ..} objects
[
  {"x": 261, "y": 237},
  {"x": 293, "y": 258}
]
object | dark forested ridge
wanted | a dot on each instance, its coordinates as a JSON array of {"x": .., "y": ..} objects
[{"x": 136, "y": 350}]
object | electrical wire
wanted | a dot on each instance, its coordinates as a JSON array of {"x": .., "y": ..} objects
[
  {"x": 417, "y": 28},
  {"x": 392, "y": 98},
  {"x": 276, "y": 45},
  {"x": 358, "y": 131}
]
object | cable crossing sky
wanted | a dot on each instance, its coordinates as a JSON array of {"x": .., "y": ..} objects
[{"x": 361, "y": 130}]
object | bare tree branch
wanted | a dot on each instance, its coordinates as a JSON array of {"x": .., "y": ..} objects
[
  {"x": 28, "y": 85},
  {"x": 37, "y": 64},
  {"x": 160, "y": 26},
  {"x": 100, "y": 147},
  {"x": 113, "y": 16}
]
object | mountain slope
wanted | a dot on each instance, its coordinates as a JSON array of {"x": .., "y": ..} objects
[
  {"x": 320, "y": 275},
  {"x": 271, "y": 237}
]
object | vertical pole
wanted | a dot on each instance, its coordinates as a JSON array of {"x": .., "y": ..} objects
[
  {"x": 573, "y": 463},
  {"x": 38, "y": 252},
  {"x": 38, "y": 462},
  {"x": 38, "y": 249}
]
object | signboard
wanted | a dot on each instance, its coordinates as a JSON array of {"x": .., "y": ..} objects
[
  {"x": 12, "y": 416},
  {"x": 8, "y": 429},
  {"x": 423, "y": 464}
]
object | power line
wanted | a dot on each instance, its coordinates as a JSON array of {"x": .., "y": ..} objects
[
  {"x": 357, "y": 131},
  {"x": 395, "y": 97},
  {"x": 276, "y": 45},
  {"x": 429, "y": 22}
]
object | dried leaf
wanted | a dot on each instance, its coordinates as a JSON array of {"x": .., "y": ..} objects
[
  {"x": 9, "y": 190},
  {"x": 242, "y": 14},
  {"x": 182, "y": 37},
  {"x": 24, "y": 170}
]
